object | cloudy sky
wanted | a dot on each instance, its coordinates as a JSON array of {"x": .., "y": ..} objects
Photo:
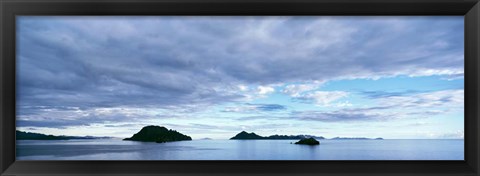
[{"x": 390, "y": 77}]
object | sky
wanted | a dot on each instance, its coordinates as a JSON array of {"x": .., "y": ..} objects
[{"x": 213, "y": 77}]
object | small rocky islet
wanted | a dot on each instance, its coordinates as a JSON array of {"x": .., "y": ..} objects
[{"x": 309, "y": 141}]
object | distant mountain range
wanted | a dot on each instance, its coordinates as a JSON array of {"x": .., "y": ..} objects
[
  {"x": 251, "y": 136},
  {"x": 245, "y": 136},
  {"x": 20, "y": 135}
]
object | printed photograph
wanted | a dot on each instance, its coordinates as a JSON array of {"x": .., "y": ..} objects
[{"x": 240, "y": 88}]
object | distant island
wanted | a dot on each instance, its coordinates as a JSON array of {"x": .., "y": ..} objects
[
  {"x": 355, "y": 138},
  {"x": 21, "y": 135},
  {"x": 252, "y": 136},
  {"x": 308, "y": 141},
  {"x": 158, "y": 134}
]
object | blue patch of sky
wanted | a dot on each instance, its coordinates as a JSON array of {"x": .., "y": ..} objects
[{"x": 395, "y": 84}]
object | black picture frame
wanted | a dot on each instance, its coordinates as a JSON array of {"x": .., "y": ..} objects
[{"x": 9, "y": 9}]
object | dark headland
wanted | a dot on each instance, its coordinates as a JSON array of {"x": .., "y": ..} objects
[
  {"x": 252, "y": 136},
  {"x": 158, "y": 134},
  {"x": 21, "y": 135}
]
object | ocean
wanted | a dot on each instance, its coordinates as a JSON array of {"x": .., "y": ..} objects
[{"x": 116, "y": 149}]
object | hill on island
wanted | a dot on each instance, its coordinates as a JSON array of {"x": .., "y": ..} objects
[
  {"x": 249, "y": 136},
  {"x": 158, "y": 134},
  {"x": 21, "y": 135},
  {"x": 245, "y": 135}
]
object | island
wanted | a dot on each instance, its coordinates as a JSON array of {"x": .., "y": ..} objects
[
  {"x": 309, "y": 141},
  {"x": 21, "y": 135},
  {"x": 244, "y": 135},
  {"x": 252, "y": 136},
  {"x": 158, "y": 134}
]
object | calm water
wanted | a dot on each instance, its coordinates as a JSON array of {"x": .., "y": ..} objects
[{"x": 116, "y": 149}]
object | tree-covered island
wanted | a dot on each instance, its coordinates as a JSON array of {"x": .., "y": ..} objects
[{"x": 158, "y": 134}]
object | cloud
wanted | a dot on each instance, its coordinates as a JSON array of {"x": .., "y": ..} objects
[
  {"x": 269, "y": 107},
  {"x": 242, "y": 87},
  {"x": 338, "y": 116},
  {"x": 459, "y": 134},
  {"x": 417, "y": 124},
  {"x": 394, "y": 107},
  {"x": 386, "y": 94},
  {"x": 322, "y": 98},
  {"x": 308, "y": 93},
  {"x": 64, "y": 118},
  {"x": 229, "y": 129},
  {"x": 437, "y": 99},
  {"x": 255, "y": 108},
  {"x": 196, "y": 62},
  {"x": 125, "y": 125},
  {"x": 262, "y": 90},
  {"x": 60, "y": 124},
  {"x": 295, "y": 90}
]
